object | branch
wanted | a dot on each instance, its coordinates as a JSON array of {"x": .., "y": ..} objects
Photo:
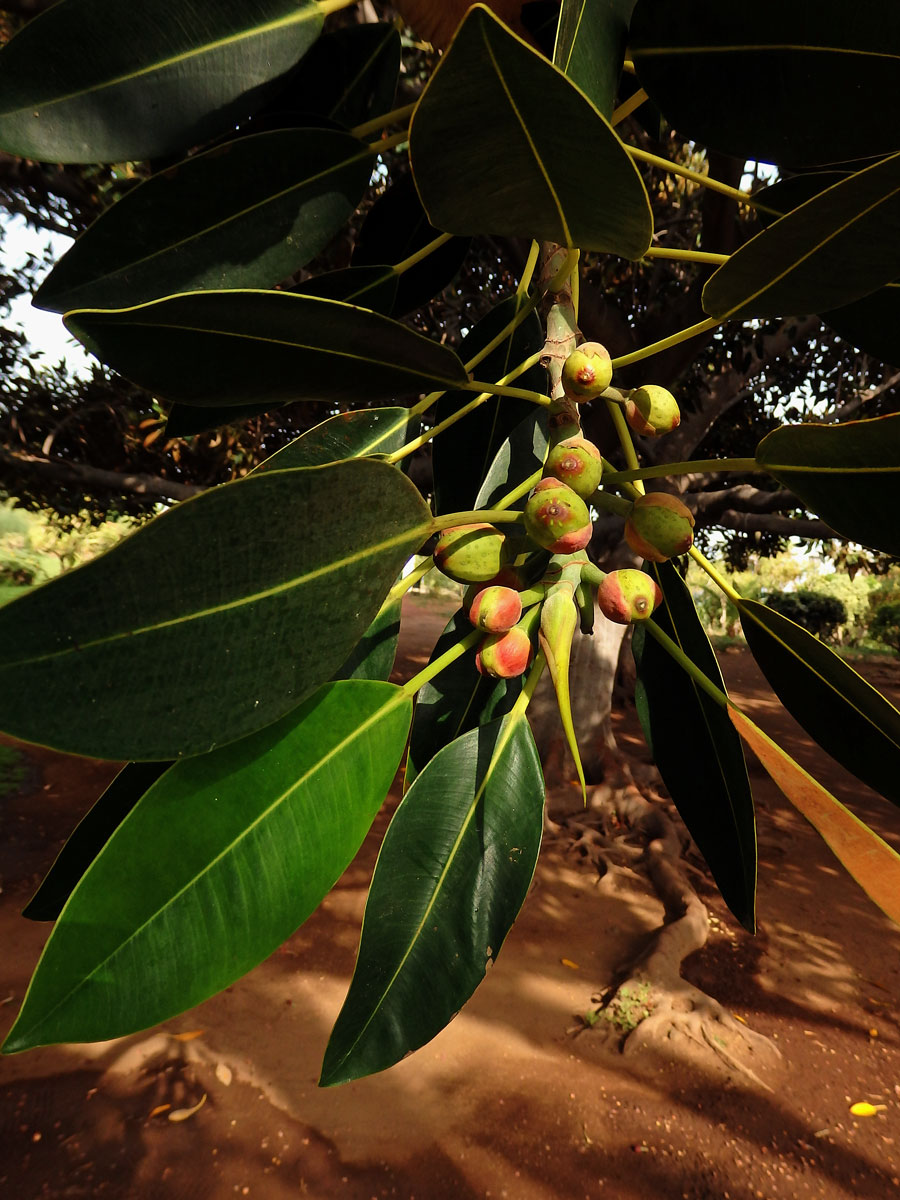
[
  {"x": 772, "y": 523},
  {"x": 743, "y": 498},
  {"x": 873, "y": 393},
  {"x": 730, "y": 387},
  {"x": 82, "y": 476}
]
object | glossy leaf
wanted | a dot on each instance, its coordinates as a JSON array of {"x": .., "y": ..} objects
[
  {"x": 136, "y": 944},
  {"x": 395, "y": 228},
  {"x": 141, "y": 84},
  {"x": 246, "y": 214},
  {"x": 695, "y": 748},
  {"x": 451, "y": 877},
  {"x": 590, "y": 47},
  {"x": 240, "y": 347},
  {"x": 864, "y": 855},
  {"x": 347, "y": 435},
  {"x": 523, "y": 453},
  {"x": 372, "y": 287},
  {"x": 212, "y": 621},
  {"x": 90, "y": 836},
  {"x": 463, "y": 453},
  {"x": 847, "y": 717},
  {"x": 373, "y": 655},
  {"x": 456, "y": 701},
  {"x": 502, "y": 143},
  {"x": 816, "y": 73},
  {"x": 847, "y": 474},
  {"x": 834, "y": 248}
]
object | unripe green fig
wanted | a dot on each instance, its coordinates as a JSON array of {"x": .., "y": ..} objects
[
  {"x": 557, "y": 518},
  {"x": 651, "y": 410},
  {"x": 587, "y": 372},
  {"x": 471, "y": 553},
  {"x": 504, "y": 655},
  {"x": 659, "y": 527},
  {"x": 495, "y": 609},
  {"x": 576, "y": 462},
  {"x": 628, "y": 595}
]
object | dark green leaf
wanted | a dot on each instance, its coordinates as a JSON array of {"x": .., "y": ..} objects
[
  {"x": 834, "y": 248},
  {"x": 217, "y": 864},
  {"x": 463, "y": 453},
  {"x": 844, "y": 714},
  {"x": 395, "y": 228},
  {"x": 696, "y": 748},
  {"x": 212, "y": 621},
  {"x": 220, "y": 348},
  {"x": 451, "y": 877},
  {"x": 523, "y": 453},
  {"x": 502, "y": 143},
  {"x": 348, "y": 435},
  {"x": 247, "y": 214},
  {"x": 349, "y": 75},
  {"x": 814, "y": 75},
  {"x": 457, "y": 700},
  {"x": 102, "y": 81},
  {"x": 372, "y": 287},
  {"x": 89, "y": 837},
  {"x": 184, "y": 420},
  {"x": 848, "y": 474},
  {"x": 374, "y": 654},
  {"x": 590, "y": 46}
]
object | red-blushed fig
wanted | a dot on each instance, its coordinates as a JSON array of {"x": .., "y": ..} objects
[
  {"x": 471, "y": 553},
  {"x": 495, "y": 609},
  {"x": 659, "y": 527},
  {"x": 587, "y": 372},
  {"x": 557, "y": 518},
  {"x": 576, "y": 462},
  {"x": 651, "y": 410},
  {"x": 628, "y": 595},
  {"x": 504, "y": 655}
]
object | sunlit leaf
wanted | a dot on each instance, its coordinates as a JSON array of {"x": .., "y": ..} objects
[
  {"x": 868, "y": 858},
  {"x": 216, "y": 865},
  {"x": 849, "y": 719}
]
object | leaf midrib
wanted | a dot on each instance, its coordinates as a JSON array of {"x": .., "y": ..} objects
[
  {"x": 396, "y": 699},
  {"x": 307, "y": 12},
  {"x": 511, "y": 724},
  {"x": 240, "y": 602}
]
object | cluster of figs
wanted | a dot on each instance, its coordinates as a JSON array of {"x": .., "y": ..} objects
[{"x": 502, "y": 601}]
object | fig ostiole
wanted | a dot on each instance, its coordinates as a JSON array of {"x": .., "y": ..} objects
[
  {"x": 587, "y": 372},
  {"x": 557, "y": 518},
  {"x": 628, "y": 595}
]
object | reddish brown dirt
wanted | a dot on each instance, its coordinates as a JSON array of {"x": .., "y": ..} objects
[{"x": 508, "y": 1101}]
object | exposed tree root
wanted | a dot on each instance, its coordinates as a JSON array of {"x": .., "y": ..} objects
[{"x": 652, "y": 1006}]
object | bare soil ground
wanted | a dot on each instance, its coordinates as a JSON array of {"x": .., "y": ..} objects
[{"x": 516, "y": 1098}]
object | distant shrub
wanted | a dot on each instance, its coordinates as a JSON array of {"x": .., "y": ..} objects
[
  {"x": 885, "y": 625},
  {"x": 818, "y": 613}
]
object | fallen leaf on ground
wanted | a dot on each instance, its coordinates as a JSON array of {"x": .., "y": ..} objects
[
  {"x": 182, "y": 1114},
  {"x": 863, "y": 1109}
]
